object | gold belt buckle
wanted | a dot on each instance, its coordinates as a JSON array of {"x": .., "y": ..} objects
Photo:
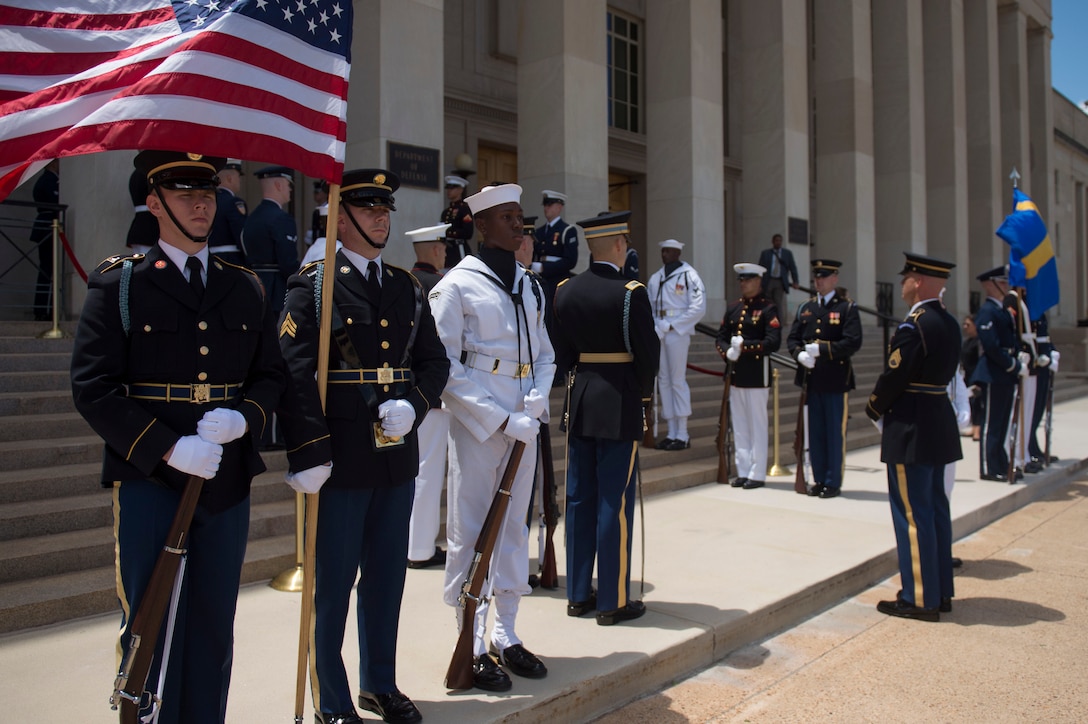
[
  {"x": 385, "y": 375},
  {"x": 202, "y": 393},
  {"x": 522, "y": 371}
]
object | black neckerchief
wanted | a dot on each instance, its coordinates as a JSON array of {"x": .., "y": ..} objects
[
  {"x": 672, "y": 266},
  {"x": 501, "y": 262}
]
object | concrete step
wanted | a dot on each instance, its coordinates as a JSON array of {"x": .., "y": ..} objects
[
  {"x": 42, "y": 427},
  {"x": 51, "y": 482},
  {"x": 36, "y": 403},
  {"x": 25, "y": 345},
  {"x": 38, "y": 361},
  {"x": 47, "y": 380},
  {"x": 28, "y": 454}
]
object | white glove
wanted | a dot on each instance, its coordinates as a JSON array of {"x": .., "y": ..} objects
[
  {"x": 1055, "y": 356},
  {"x": 196, "y": 456},
  {"x": 1042, "y": 361},
  {"x": 535, "y": 404},
  {"x": 522, "y": 427},
  {"x": 732, "y": 354},
  {"x": 310, "y": 480},
  {"x": 736, "y": 341},
  {"x": 661, "y": 326},
  {"x": 879, "y": 424},
  {"x": 221, "y": 425},
  {"x": 813, "y": 349},
  {"x": 397, "y": 417},
  {"x": 1025, "y": 359},
  {"x": 805, "y": 359}
]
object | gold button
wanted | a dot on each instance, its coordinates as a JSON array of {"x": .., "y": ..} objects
[
  {"x": 202, "y": 325},
  {"x": 245, "y": 327},
  {"x": 385, "y": 388},
  {"x": 204, "y": 351},
  {"x": 202, "y": 376},
  {"x": 385, "y": 345},
  {"x": 350, "y": 321},
  {"x": 147, "y": 327},
  {"x": 384, "y": 322}
]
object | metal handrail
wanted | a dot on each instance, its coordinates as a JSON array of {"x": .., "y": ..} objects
[{"x": 783, "y": 360}]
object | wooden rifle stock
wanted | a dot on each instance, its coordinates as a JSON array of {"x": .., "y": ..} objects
[
  {"x": 459, "y": 673},
  {"x": 129, "y": 687},
  {"x": 648, "y": 427},
  {"x": 799, "y": 484},
  {"x": 724, "y": 427},
  {"x": 549, "y": 577}
]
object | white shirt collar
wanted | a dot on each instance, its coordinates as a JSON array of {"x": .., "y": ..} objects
[
  {"x": 361, "y": 263},
  {"x": 924, "y": 301},
  {"x": 179, "y": 257}
]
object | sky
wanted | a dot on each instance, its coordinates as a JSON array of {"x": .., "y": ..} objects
[{"x": 1069, "y": 49}]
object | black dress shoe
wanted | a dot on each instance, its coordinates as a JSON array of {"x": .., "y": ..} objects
[
  {"x": 679, "y": 445},
  {"x": 738, "y": 483},
  {"x": 632, "y": 610},
  {"x": 392, "y": 707},
  {"x": 752, "y": 484},
  {"x": 438, "y": 559},
  {"x": 1033, "y": 467},
  {"x": 581, "y": 608},
  {"x": 946, "y": 605},
  {"x": 487, "y": 675},
  {"x": 957, "y": 562},
  {"x": 829, "y": 492},
  {"x": 664, "y": 443},
  {"x": 904, "y": 609},
  {"x": 349, "y": 717},
  {"x": 996, "y": 477},
  {"x": 816, "y": 489},
  {"x": 521, "y": 661}
]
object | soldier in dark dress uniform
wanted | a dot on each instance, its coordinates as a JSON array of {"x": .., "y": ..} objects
[
  {"x": 556, "y": 251},
  {"x": 604, "y": 336},
  {"x": 46, "y": 191},
  {"x": 1044, "y": 371},
  {"x": 998, "y": 369},
  {"x": 270, "y": 234},
  {"x": 143, "y": 231},
  {"x": 824, "y": 335},
  {"x": 387, "y": 368},
  {"x": 179, "y": 376},
  {"x": 459, "y": 217},
  {"x": 230, "y": 216},
  {"x": 920, "y": 436},
  {"x": 750, "y": 332}
]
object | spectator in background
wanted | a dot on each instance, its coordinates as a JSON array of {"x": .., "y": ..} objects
[
  {"x": 46, "y": 191},
  {"x": 781, "y": 269}
]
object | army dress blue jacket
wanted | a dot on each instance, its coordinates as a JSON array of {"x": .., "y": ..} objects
[{"x": 836, "y": 327}]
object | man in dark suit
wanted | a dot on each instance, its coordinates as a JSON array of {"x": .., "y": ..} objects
[
  {"x": 46, "y": 191},
  {"x": 387, "y": 367},
  {"x": 605, "y": 338},
  {"x": 270, "y": 234},
  {"x": 556, "y": 250},
  {"x": 825, "y": 334},
  {"x": 750, "y": 332},
  {"x": 781, "y": 268},
  {"x": 910, "y": 405},
  {"x": 176, "y": 367},
  {"x": 999, "y": 368}
]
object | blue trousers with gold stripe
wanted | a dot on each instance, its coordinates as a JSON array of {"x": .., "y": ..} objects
[
  {"x": 202, "y": 649},
  {"x": 827, "y": 436},
  {"x": 923, "y": 532},
  {"x": 600, "y": 510},
  {"x": 361, "y": 533}
]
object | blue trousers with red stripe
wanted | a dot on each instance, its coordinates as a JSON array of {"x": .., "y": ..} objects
[
  {"x": 827, "y": 436},
  {"x": 600, "y": 511},
  {"x": 923, "y": 532}
]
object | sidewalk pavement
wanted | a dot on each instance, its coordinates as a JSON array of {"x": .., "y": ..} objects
[{"x": 725, "y": 567}]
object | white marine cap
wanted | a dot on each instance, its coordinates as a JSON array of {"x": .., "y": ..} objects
[
  {"x": 670, "y": 244},
  {"x": 490, "y": 196},
  {"x": 323, "y": 209},
  {"x": 456, "y": 181},
  {"x": 550, "y": 196},
  {"x": 428, "y": 233},
  {"x": 749, "y": 270}
]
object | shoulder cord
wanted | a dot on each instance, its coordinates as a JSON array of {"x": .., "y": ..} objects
[
  {"x": 627, "y": 321},
  {"x": 123, "y": 295}
]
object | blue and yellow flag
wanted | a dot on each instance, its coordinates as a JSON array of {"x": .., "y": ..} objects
[{"x": 1031, "y": 256}]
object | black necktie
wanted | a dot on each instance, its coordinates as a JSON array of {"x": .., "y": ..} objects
[
  {"x": 196, "y": 283},
  {"x": 372, "y": 283}
]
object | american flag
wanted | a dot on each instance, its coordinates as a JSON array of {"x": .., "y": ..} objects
[{"x": 255, "y": 79}]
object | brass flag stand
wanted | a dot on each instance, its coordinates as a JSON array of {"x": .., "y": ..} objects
[{"x": 776, "y": 469}]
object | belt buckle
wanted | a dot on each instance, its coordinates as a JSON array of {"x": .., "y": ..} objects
[
  {"x": 522, "y": 371},
  {"x": 202, "y": 393},
  {"x": 385, "y": 375}
]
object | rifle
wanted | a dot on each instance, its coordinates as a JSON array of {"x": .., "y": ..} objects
[
  {"x": 725, "y": 430},
  {"x": 129, "y": 689},
  {"x": 549, "y": 578},
  {"x": 1017, "y": 402},
  {"x": 799, "y": 484},
  {"x": 459, "y": 673},
  {"x": 648, "y": 423}
]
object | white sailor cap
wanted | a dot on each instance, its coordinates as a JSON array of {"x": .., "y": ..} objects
[
  {"x": 456, "y": 181},
  {"x": 670, "y": 244},
  {"x": 428, "y": 233},
  {"x": 747, "y": 271},
  {"x": 490, "y": 196},
  {"x": 551, "y": 197}
]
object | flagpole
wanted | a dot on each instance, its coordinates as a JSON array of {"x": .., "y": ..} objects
[{"x": 310, "y": 527}]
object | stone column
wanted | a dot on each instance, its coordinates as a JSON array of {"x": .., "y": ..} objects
[
  {"x": 684, "y": 140},
  {"x": 946, "y": 143},
  {"x": 984, "y": 170},
  {"x": 843, "y": 86},
  {"x": 899, "y": 134},
  {"x": 774, "y": 108},
  {"x": 1041, "y": 120},
  {"x": 563, "y": 107},
  {"x": 396, "y": 94},
  {"x": 1013, "y": 69}
]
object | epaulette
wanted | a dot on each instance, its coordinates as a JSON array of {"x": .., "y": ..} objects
[
  {"x": 393, "y": 267},
  {"x": 917, "y": 313},
  {"x": 633, "y": 285},
  {"x": 224, "y": 262},
  {"x": 563, "y": 282},
  {"x": 312, "y": 266},
  {"x": 112, "y": 262}
]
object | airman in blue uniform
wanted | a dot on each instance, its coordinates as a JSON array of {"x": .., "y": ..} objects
[{"x": 270, "y": 234}]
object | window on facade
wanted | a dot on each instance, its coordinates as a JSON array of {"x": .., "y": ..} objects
[{"x": 624, "y": 73}]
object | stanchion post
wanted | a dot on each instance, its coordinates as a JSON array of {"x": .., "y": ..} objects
[
  {"x": 55, "y": 332},
  {"x": 290, "y": 580},
  {"x": 776, "y": 469}
]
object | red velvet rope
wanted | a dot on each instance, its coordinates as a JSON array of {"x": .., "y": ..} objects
[
  {"x": 705, "y": 371},
  {"x": 72, "y": 256}
]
